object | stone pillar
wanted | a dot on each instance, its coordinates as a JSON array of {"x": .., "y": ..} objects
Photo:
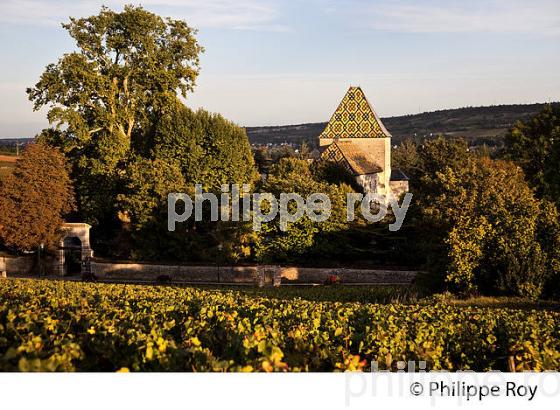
[
  {"x": 277, "y": 279},
  {"x": 86, "y": 253},
  {"x": 58, "y": 268},
  {"x": 268, "y": 275},
  {"x": 260, "y": 276}
]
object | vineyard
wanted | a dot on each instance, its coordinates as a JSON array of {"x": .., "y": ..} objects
[{"x": 66, "y": 326}]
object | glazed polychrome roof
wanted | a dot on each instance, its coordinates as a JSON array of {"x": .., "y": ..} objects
[
  {"x": 359, "y": 157},
  {"x": 354, "y": 118}
]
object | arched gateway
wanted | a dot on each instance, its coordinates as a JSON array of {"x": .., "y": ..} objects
[{"x": 74, "y": 248}]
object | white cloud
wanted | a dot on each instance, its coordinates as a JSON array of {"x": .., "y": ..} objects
[
  {"x": 505, "y": 16},
  {"x": 239, "y": 14}
]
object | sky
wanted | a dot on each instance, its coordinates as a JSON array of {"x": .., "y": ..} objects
[{"x": 274, "y": 62}]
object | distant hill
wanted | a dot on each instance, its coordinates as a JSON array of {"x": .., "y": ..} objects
[
  {"x": 13, "y": 141},
  {"x": 13, "y": 145},
  {"x": 477, "y": 124}
]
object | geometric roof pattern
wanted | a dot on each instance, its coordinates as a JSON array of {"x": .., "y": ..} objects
[
  {"x": 360, "y": 157},
  {"x": 354, "y": 118}
]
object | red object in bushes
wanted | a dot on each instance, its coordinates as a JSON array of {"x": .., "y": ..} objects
[{"x": 332, "y": 280}]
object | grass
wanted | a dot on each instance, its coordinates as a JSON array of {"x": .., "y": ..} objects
[
  {"x": 381, "y": 294},
  {"x": 402, "y": 294},
  {"x": 510, "y": 302}
]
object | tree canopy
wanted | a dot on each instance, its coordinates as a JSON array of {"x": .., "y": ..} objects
[
  {"x": 129, "y": 66},
  {"x": 535, "y": 146},
  {"x": 483, "y": 229},
  {"x": 116, "y": 112},
  {"x": 304, "y": 237},
  {"x": 211, "y": 150},
  {"x": 105, "y": 98},
  {"x": 34, "y": 198}
]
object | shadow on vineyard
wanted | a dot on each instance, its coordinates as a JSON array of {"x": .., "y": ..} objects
[
  {"x": 71, "y": 326},
  {"x": 359, "y": 294}
]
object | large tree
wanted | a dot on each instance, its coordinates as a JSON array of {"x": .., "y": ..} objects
[
  {"x": 491, "y": 232},
  {"x": 105, "y": 97},
  {"x": 211, "y": 150},
  {"x": 535, "y": 146},
  {"x": 34, "y": 198},
  {"x": 482, "y": 228},
  {"x": 304, "y": 238},
  {"x": 188, "y": 147}
]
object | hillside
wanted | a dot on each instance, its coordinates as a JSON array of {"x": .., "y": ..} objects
[
  {"x": 12, "y": 145},
  {"x": 477, "y": 124}
]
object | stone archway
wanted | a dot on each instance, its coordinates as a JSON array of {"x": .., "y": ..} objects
[
  {"x": 72, "y": 248},
  {"x": 74, "y": 241}
]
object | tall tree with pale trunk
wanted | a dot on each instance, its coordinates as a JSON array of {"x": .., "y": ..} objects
[{"x": 105, "y": 98}]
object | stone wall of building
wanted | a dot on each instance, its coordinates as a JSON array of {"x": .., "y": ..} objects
[
  {"x": 368, "y": 182},
  {"x": 398, "y": 188}
]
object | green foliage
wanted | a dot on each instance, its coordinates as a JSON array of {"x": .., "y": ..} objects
[
  {"x": 262, "y": 159},
  {"x": 34, "y": 198},
  {"x": 548, "y": 236},
  {"x": 334, "y": 173},
  {"x": 408, "y": 294},
  {"x": 439, "y": 154},
  {"x": 105, "y": 97},
  {"x": 143, "y": 205},
  {"x": 130, "y": 141},
  {"x": 189, "y": 148},
  {"x": 65, "y": 326},
  {"x": 99, "y": 91},
  {"x": 211, "y": 150},
  {"x": 483, "y": 229},
  {"x": 535, "y": 146},
  {"x": 422, "y": 162},
  {"x": 303, "y": 237},
  {"x": 147, "y": 184},
  {"x": 465, "y": 242},
  {"x": 491, "y": 226},
  {"x": 406, "y": 157}
]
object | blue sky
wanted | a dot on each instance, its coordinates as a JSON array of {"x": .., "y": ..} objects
[{"x": 271, "y": 62}]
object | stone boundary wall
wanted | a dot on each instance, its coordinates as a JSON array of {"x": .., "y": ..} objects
[
  {"x": 346, "y": 275},
  {"x": 183, "y": 273},
  {"x": 20, "y": 264},
  {"x": 261, "y": 275}
]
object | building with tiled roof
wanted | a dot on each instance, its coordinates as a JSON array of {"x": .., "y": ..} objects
[{"x": 356, "y": 138}]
